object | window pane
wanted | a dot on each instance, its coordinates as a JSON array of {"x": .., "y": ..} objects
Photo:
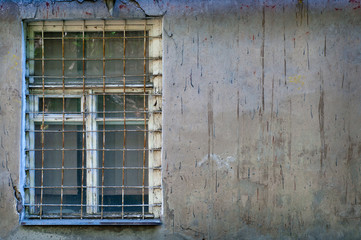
[
  {"x": 114, "y": 45},
  {"x": 52, "y": 173},
  {"x": 52, "y": 45},
  {"x": 133, "y": 196},
  {"x": 56, "y": 104},
  {"x": 133, "y": 162},
  {"x": 114, "y": 106},
  {"x": 93, "y": 45},
  {"x": 73, "y": 45}
]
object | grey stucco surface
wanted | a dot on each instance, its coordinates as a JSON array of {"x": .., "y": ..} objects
[{"x": 261, "y": 118}]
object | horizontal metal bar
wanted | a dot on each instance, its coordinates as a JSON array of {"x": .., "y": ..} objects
[
  {"x": 91, "y": 38},
  {"x": 109, "y": 215},
  {"x": 77, "y": 120},
  {"x": 93, "y": 59},
  {"x": 96, "y": 94},
  {"x": 100, "y": 131},
  {"x": 80, "y": 222},
  {"x": 66, "y": 168},
  {"x": 96, "y": 187},
  {"x": 87, "y": 205},
  {"x": 80, "y": 86},
  {"x": 80, "y": 149},
  {"x": 50, "y": 113},
  {"x": 94, "y": 76}
]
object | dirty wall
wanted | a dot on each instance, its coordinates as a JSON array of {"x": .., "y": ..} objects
[{"x": 261, "y": 118}]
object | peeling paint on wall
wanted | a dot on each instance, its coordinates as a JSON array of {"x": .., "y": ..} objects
[{"x": 261, "y": 104}]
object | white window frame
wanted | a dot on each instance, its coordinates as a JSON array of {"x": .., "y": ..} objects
[{"x": 154, "y": 122}]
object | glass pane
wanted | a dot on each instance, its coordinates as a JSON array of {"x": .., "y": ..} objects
[
  {"x": 114, "y": 106},
  {"x": 73, "y": 48},
  {"x": 134, "y": 52},
  {"x": 38, "y": 42},
  {"x": 53, "y": 68},
  {"x": 134, "y": 143},
  {"x": 93, "y": 45},
  {"x": 93, "y": 53},
  {"x": 112, "y": 196},
  {"x": 135, "y": 68},
  {"x": 133, "y": 196},
  {"x": 56, "y": 105},
  {"x": 134, "y": 44},
  {"x": 52, "y": 45},
  {"x": 114, "y": 69},
  {"x": 73, "y": 45},
  {"x": 114, "y": 45},
  {"x": 52, "y": 171},
  {"x": 73, "y": 69},
  {"x": 94, "y": 68}
]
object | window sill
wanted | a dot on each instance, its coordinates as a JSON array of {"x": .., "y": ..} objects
[{"x": 90, "y": 222}]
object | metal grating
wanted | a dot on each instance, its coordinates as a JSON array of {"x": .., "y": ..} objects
[{"x": 93, "y": 120}]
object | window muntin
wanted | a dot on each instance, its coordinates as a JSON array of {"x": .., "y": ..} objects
[{"x": 93, "y": 120}]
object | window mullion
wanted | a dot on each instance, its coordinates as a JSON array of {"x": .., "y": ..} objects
[{"x": 92, "y": 177}]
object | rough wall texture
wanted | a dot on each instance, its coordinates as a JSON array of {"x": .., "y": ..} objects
[{"x": 261, "y": 132}]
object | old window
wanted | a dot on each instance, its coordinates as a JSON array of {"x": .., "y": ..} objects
[{"x": 93, "y": 122}]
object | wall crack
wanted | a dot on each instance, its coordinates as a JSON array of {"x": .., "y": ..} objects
[{"x": 17, "y": 195}]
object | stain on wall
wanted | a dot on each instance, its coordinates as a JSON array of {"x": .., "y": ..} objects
[{"x": 261, "y": 111}]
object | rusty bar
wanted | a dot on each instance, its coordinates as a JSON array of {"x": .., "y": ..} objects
[
  {"x": 145, "y": 107},
  {"x": 43, "y": 120},
  {"x": 124, "y": 121},
  {"x": 78, "y": 168},
  {"x": 112, "y": 93},
  {"x": 63, "y": 122},
  {"x": 98, "y": 76},
  {"x": 83, "y": 135},
  {"x": 76, "y": 113},
  {"x": 79, "y": 131},
  {"x": 69, "y": 187},
  {"x": 105, "y": 205},
  {"x": 91, "y": 149},
  {"x": 103, "y": 156},
  {"x": 94, "y": 59},
  {"x": 90, "y": 38}
]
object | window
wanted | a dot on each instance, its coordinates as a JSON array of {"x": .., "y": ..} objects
[{"x": 93, "y": 122}]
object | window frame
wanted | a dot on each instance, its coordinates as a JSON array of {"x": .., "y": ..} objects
[{"x": 154, "y": 121}]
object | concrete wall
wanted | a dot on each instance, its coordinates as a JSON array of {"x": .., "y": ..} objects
[{"x": 261, "y": 118}]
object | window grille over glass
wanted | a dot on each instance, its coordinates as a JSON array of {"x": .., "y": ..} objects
[{"x": 93, "y": 120}]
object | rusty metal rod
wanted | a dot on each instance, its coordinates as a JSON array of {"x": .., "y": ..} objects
[
  {"x": 93, "y": 59},
  {"x": 79, "y": 149},
  {"x": 83, "y": 132},
  {"x": 103, "y": 153},
  {"x": 124, "y": 134},
  {"x": 42, "y": 125},
  {"x": 63, "y": 120}
]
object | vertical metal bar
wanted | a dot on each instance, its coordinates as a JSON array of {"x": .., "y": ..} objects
[
  {"x": 63, "y": 122},
  {"x": 144, "y": 110},
  {"x": 124, "y": 122},
  {"x": 43, "y": 118},
  {"x": 83, "y": 134},
  {"x": 103, "y": 152}
]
